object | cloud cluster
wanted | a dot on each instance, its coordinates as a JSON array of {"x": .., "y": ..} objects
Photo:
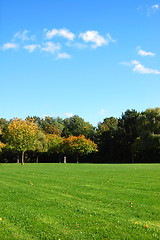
[
  {"x": 49, "y": 44},
  {"x": 140, "y": 68}
]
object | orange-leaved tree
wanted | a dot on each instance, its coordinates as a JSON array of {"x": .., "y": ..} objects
[
  {"x": 21, "y": 135},
  {"x": 79, "y": 145}
]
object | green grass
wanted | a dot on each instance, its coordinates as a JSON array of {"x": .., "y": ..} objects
[{"x": 79, "y": 201}]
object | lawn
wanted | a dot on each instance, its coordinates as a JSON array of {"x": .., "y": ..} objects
[{"x": 79, "y": 201}]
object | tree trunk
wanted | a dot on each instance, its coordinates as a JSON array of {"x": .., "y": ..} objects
[
  {"x": 22, "y": 163},
  {"x": 17, "y": 158},
  {"x": 37, "y": 159},
  {"x": 77, "y": 158},
  {"x": 65, "y": 160}
]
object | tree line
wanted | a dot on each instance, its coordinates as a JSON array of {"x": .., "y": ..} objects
[{"x": 132, "y": 138}]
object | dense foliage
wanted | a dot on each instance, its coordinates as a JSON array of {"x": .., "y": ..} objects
[
  {"x": 21, "y": 136},
  {"x": 79, "y": 146},
  {"x": 134, "y": 137}
]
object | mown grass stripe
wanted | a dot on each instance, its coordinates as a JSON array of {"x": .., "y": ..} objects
[{"x": 79, "y": 201}]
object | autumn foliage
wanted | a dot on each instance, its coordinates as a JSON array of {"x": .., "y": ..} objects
[
  {"x": 25, "y": 135},
  {"x": 134, "y": 137},
  {"x": 79, "y": 145},
  {"x": 21, "y": 135},
  {"x": 2, "y": 145}
]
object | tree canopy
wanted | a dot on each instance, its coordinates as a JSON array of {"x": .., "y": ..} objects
[
  {"x": 79, "y": 145},
  {"x": 133, "y": 137},
  {"x": 21, "y": 135}
]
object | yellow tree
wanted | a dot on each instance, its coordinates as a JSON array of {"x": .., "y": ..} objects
[
  {"x": 21, "y": 135},
  {"x": 2, "y": 145},
  {"x": 79, "y": 146}
]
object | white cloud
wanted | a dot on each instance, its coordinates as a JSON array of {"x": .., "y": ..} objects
[
  {"x": 51, "y": 47},
  {"x": 156, "y": 6},
  {"x": 7, "y": 46},
  {"x": 68, "y": 114},
  {"x": 144, "y": 53},
  {"x": 63, "y": 55},
  {"x": 149, "y": 10},
  {"x": 31, "y": 48},
  {"x": 153, "y": 9},
  {"x": 65, "y": 33},
  {"x": 94, "y": 37},
  {"x": 23, "y": 35},
  {"x": 138, "y": 67},
  {"x": 126, "y": 63},
  {"x": 86, "y": 39},
  {"x": 109, "y": 38},
  {"x": 103, "y": 112}
]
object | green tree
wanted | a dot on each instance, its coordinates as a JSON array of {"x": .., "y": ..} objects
[
  {"x": 48, "y": 124},
  {"x": 116, "y": 136},
  {"x": 106, "y": 139},
  {"x": 128, "y": 122},
  {"x": 107, "y": 125},
  {"x": 75, "y": 126},
  {"x": 3, "y": 124},
  {"x": 55, "y": 144},
  {"x": 40, "y": 144},
  {"x": 128, "y": 133},
  {"x": 149, "y": 130}
]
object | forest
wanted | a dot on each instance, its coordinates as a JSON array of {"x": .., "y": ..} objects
[{"x": 132, "y": 138}]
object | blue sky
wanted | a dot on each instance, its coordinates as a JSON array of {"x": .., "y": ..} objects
[{"x": 95, "y": 59}]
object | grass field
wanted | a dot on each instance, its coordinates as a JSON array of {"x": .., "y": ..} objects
[{"x": 79, "y": 201}]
